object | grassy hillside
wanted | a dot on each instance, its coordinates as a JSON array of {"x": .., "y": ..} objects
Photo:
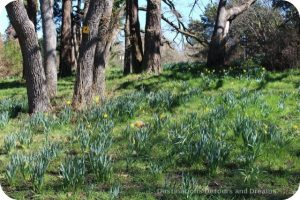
[{"x": 190, "y": 133}]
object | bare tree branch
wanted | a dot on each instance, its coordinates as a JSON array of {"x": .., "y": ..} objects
[
  {"x": 181, "y": 28},
  {"x": 184, "y": 31},
  {"x": 235, "y": 11},
  {"x": 194, "y": 5},
  {"x": 173, "y": 9}
]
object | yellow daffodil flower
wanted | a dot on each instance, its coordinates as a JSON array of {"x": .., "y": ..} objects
[
  {"x": 68, "y": 102},
  {"x": 132, "y": 125},
  {"x": 96, "y": 99}
]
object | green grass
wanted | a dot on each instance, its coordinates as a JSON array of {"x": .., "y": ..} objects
[{"x": 202, "y": 133}]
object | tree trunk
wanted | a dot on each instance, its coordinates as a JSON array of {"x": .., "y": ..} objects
[
  {"x": 135, "y": 35},
  {"x": 128, "y": 50},
  {"x": 38, "y": 100},
  {"x": 75, "y": 46},
  {"x": 108, "y": 30},
  {"x": 152, "y": 56},
  {"x": 85, "y": 9},
  {"x": 217, "y": 46},
  {"x": 217, "y": 50},
  {"x": 84, "y": 77},
  {"x": 49, "y": 42},
  {"x": 78, "y": 24},
  {"x": 66, "y": 61},
  {"x": 31, "y": 8},
  {"x": 77, "y": 31},
  {"x": 100, "y": 57}
]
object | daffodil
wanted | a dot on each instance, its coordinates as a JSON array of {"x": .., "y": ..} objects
[
  {"x": 295, "y": 127},
  {"x": 68, "y": 102},
  {"x": 96, "y": 99},
  {"x": 105, "y": 115}
]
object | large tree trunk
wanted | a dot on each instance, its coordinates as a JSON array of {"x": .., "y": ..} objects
[
  {"x": 152, "y": 56},
  {"x": 31, "y": 9},
  {"x": 85, "y": 9},
  {"x": 217, "y": 50},
  {"x": 38, "y": 100},
  {"x": 217, "y": 46},
  {"x": 50, "y": 43},
  {"x": 128, "y": 50},
  {"x": 100, "y": 57},
  {"x": 135, "y": 35},
  {"x": 76, "y": 32},
  {"x": 108, "y": 32},
  {"x": 32, "y": 6},
  {"x": 84, "y": 77},
  {"x": 78, "y": 24},
  {"x": 66, "y": 60}
]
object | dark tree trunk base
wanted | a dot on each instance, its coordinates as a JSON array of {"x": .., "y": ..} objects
[
  {"x": 152, "y": 56},
  {"x": 38, "y": 100}
]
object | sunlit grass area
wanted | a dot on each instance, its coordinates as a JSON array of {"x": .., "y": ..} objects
[{"x": 181, "y": 135}]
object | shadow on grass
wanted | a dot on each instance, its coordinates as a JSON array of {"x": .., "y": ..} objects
[
  {"x": 188, "y": 71},
  {"x": 269, "y": 79},
  {"x": 12, "y": 85},
  {"x": 155, "y": 83},
  {"x": 114, "y": 74}
]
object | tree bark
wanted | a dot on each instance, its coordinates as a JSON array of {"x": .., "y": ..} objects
[
  {"x": 101, "y": 54},
  {"x": 84, "y": 77},
  {"x": 78, "y": 24},
  {"x": 75, "y": 47},
  {"x": 76, "y": 32},
  {"x": 102, "y": 58},
  {"x": 50, "y": 44},
  {"x": 85, "y": 9},
  {"x": 38, "y": 100},
  {"x": 32, "y": 6},
  {"x": 66, "y": 61},
  {"x": 135, "y": 35},
  {"x": 152, "y": 56},
  {"x": 31, "y": 9},
  {"x": 128, "y": 50},
  {"x": 217, "y": 46},
  {"x": 216, "y": 54}
]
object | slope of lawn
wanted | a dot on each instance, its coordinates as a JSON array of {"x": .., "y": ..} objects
[{"x": 189, "y": 133}]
